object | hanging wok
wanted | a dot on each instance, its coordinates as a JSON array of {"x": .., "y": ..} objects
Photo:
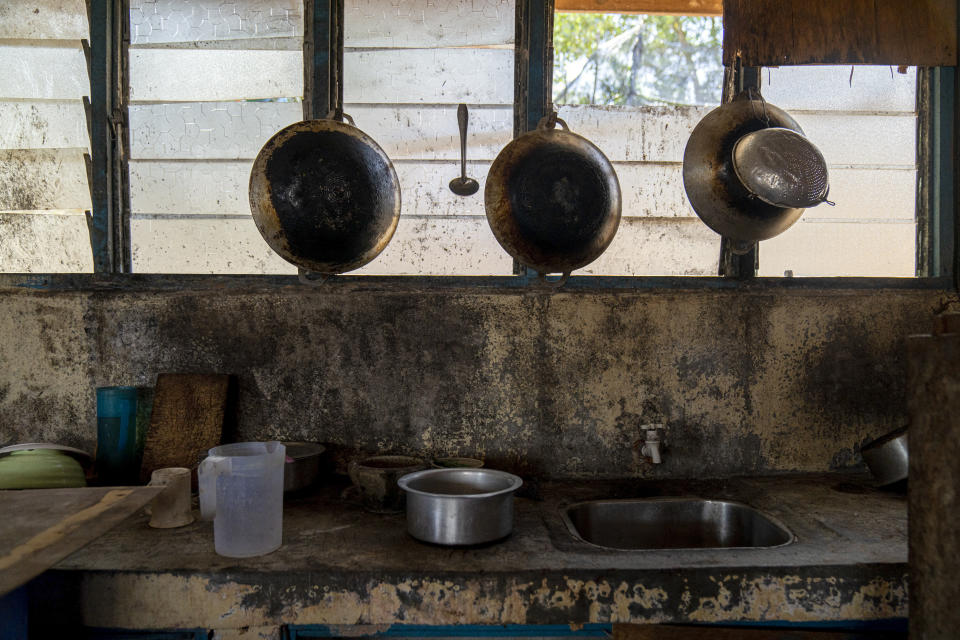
[
  {"x": 324, "y": 196},
  {"x": 553, "y": 199},
  {"x": 710, "y": 179}
]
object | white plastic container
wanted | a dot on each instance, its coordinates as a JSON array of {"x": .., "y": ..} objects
[{"x": 241, "y": 490}]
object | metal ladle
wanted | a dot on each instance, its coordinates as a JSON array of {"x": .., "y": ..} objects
[{"x": 463, "y": 186}]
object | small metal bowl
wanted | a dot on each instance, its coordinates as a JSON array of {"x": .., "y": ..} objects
[
  {"x": 459, "y": 506},
  {"x": 888, "y": 457}
]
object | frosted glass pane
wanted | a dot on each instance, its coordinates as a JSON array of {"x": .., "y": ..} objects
[
  {"x": 190, "y": 187},
  {"x": 848, "y": 139},
  {"x": 425, "y": 23},
  {"x": 812, "y": 248},
  {"x": 214, "y": 130},
  {"x": 177, "y": 75},
  {"x": 153, "y": 21}
]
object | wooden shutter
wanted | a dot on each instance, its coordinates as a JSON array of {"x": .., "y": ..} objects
[{"x": 894, "y": 32}]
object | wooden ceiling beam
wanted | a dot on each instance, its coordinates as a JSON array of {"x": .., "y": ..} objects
[{"x": 662, "y": 7}]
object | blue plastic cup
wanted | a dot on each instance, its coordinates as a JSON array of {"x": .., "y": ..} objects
[{"x": 117, "y": 460}]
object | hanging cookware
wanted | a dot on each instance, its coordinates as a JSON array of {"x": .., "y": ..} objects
[
  {"x": 553, "y": 199},
  {"x": 718, "y": 196},
  {"x": 324, "y": 195}
]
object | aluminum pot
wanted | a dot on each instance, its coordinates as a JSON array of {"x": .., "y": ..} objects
[
  {"x": 715, "y": 192},
  {"x": 888, "y": 457},
  {"x": 553, "y": 199},
  {"x": 324, "y": 196},
  {"x": 459, "y": 506},
  {"x": 302, "y": 465}
]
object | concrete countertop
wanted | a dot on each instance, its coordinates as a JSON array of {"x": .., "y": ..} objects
[{"x": 340, "y": 565}]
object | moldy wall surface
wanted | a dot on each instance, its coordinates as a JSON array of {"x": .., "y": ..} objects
[{"x": 748, "y": 382}]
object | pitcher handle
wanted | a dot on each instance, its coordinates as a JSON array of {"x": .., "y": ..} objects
[{"x": 209, "y": 470}]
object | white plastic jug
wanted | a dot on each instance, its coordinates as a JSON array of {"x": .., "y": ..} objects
[{"x": 241, "y": 490}]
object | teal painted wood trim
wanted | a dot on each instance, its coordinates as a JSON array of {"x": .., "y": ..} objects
[
  {"x": 100, "y": 61},
  {"x": 323, "y": 58}
]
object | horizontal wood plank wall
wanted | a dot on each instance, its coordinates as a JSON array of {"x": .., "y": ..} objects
[
  {"x": 44, "y": 189},
  {"x": 407, "y": 67},
  {"x": 772, "y": 32},
  {"x": 209, "y": 85},
  {"x": 668, "y": 7},
  {"x": 865, "y": 126}
]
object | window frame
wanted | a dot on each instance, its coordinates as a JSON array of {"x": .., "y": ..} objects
[{"x": 323, "y": 87}]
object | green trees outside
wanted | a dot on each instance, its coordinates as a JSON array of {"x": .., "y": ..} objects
[{"x": 616, "y": 59}]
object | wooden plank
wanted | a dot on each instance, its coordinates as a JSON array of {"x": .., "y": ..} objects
[
  {"x": 659, "y": 247},
  {"x": 47, "y": 72},
  {"x": 873, "y": 89},
  {"x": 431, "y": 76},
  {"x": 662, "y": 7},
  {"x": 34, "y": 179},
  {"x": 186, "y": 420},
  {"x": 43, "y": 125},
  {"x": 430, "y": 132},
  {"x": 426, "y": 24},
  {"x": 40, "y": 527},
  {"x": 157, "y": 75},
  {"x": 45, "y": 242},
  {"x": 43, "y": 19},
  {"x": 651, "y": 134},
  {"x": 190, "y": 245},
  {"x": 772, "y": 33},
  {"x": 441, "y": 247}
]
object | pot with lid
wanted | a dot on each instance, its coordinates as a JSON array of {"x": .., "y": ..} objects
[{"x": 552, "y": 199}]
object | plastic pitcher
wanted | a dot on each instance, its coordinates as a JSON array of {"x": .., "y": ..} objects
[{"x": 241, "y": 490}]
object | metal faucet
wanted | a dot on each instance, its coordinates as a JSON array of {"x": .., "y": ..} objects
[{"x": 650, "y": 444}]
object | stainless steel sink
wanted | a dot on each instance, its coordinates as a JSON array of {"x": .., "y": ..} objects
[{"x": 673, "y": 523}]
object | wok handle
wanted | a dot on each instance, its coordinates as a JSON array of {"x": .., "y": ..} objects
[
  {"x": 559, "y": 282},
  {"x": 462, "y": 118},
  {"x": 551, "y": 121},
  {"x": 312, "y": 278},
  {"x": 332, "y": 115}
]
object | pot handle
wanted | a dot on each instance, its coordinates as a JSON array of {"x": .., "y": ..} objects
[
  {"x": 559, "y": 282},
  {"x": 209, "y": 470},
  {"x": 550, "y": 121}
]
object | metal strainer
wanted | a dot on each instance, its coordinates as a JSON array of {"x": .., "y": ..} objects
[{"x": 782, "y": 168}]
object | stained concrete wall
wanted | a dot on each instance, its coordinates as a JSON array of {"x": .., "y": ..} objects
[{"x": 757, "y": 381}]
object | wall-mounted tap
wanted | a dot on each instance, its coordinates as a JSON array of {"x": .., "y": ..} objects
[{"x": 650, "y": 443}]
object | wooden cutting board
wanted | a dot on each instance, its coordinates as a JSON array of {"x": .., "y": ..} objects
[
  {"x": 187, "y": 419},
  {"x": 41, "y": 527}
]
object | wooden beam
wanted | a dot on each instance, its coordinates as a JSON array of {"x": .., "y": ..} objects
[
  {"x": 893, "y": 32},
  {"x": 663, "y": 7}
]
